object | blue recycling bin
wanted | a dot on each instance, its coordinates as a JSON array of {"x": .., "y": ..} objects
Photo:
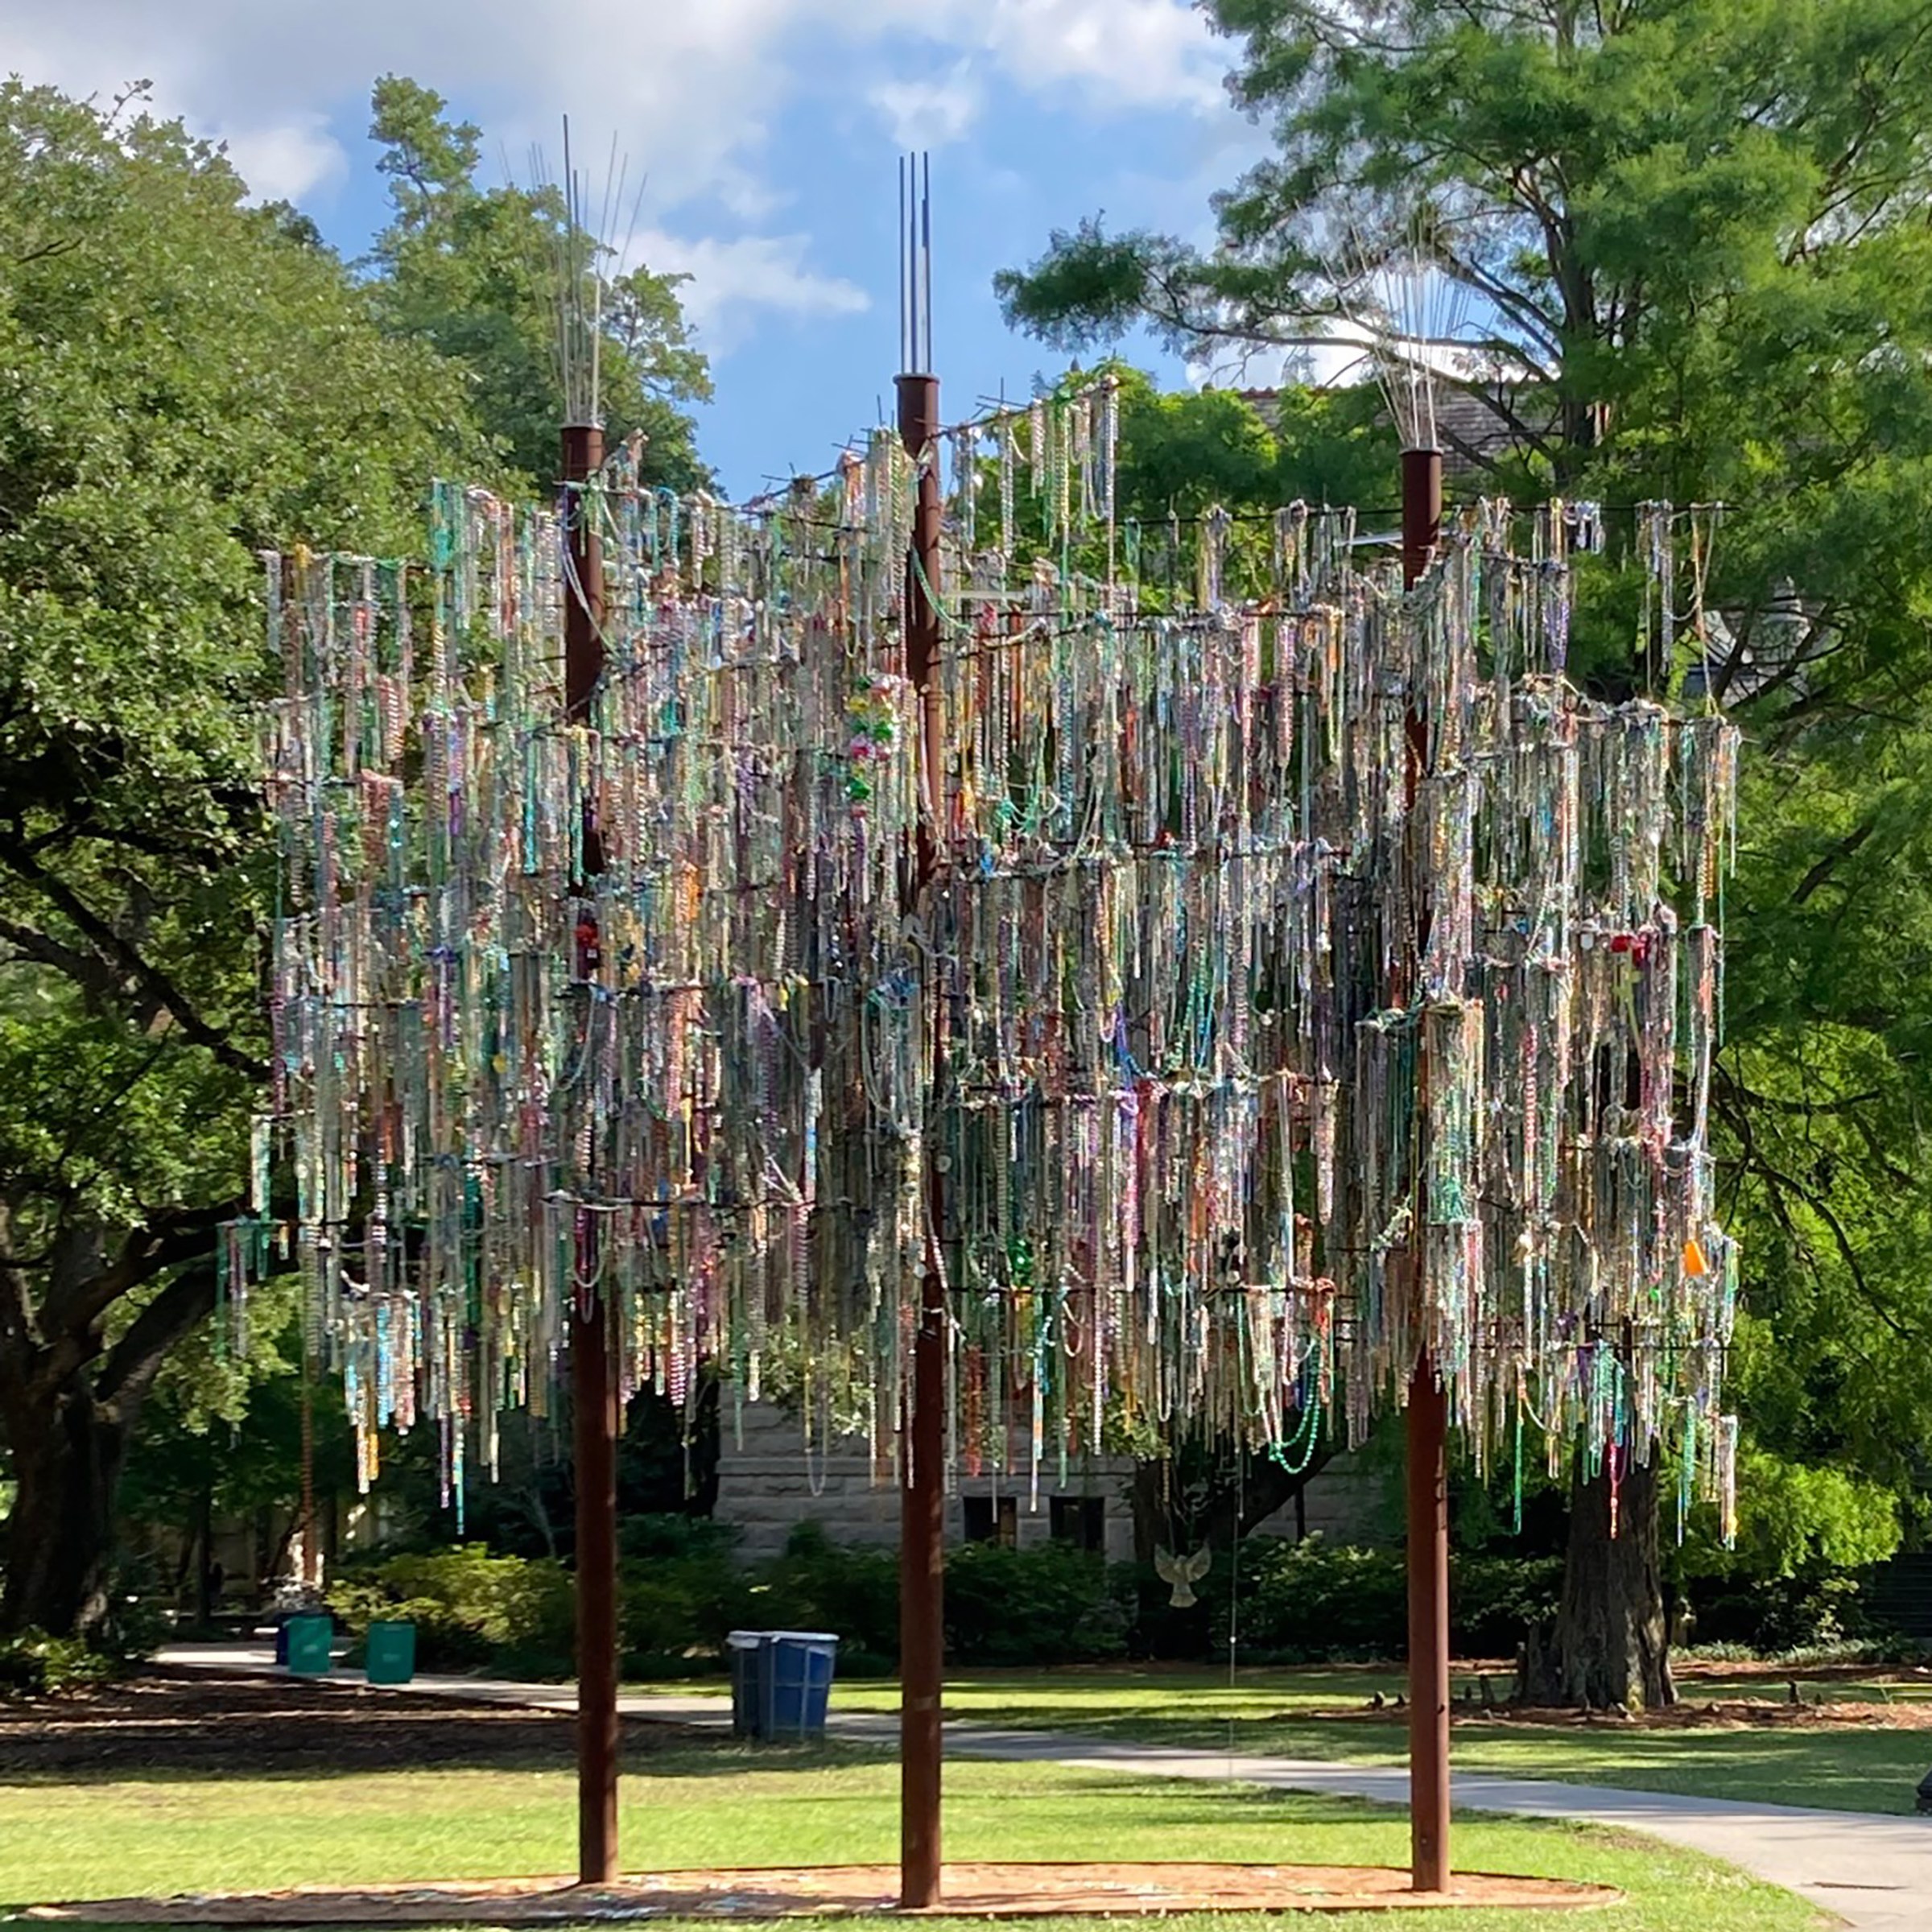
[
  {"x": 747, "y": 1652},
  {"x": 799, "y": 1668},
  {"x": 781, "y": 1681},
  {"x": 309, "y": 1639}
]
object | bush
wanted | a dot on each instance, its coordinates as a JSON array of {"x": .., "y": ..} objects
[
  {"x": 469, "y": 1607},
  {"x": 680, "y": 1592},
  {"x": 663, "y": 1536},
  {"x": 1493, "y": 1600},
  {"x": 134, "y": 1626},
  {"x": 1052, "y": 1604},
  {"x": 851, "y": 1590},
  {"x": 1314, "y": 1601},
  {"x": 1771, "y": 1616},
  {"x": 32, "y": 1664},
  {"x": 675, "y": 1608}
]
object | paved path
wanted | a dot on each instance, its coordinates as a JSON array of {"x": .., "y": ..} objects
[{"x": 1872, "y": 1871}]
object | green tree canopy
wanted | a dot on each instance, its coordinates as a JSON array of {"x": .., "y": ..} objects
[
  {"x": 476, "y": 272},
  {"x": 188, "y": 380},
  {"x": 1691, "y": 238},
  {"x": 1186, "y": 452}
]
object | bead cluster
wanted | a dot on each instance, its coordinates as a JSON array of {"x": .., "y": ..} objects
[{"x": 1306, "y": 976}]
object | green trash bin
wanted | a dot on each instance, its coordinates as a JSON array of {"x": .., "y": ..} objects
[
  {"x": 309, "y": 1639},
  {"x": 390, "y": 1656}
]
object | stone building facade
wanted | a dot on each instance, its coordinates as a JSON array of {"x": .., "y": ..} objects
[{"x": 769, "y": 1481}]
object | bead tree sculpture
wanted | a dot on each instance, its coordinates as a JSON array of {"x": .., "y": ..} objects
[{"x": 1138, "y": 1017}]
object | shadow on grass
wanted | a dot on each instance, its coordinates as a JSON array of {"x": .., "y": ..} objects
[
  {"x": 324, "y": 1751},
  {"x": 183, "y": 1727}
]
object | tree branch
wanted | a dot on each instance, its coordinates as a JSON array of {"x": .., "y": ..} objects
[
  {"x": 1825, "y": 866},
  {"x": 111, "y": 947},
  {"x": 134, "y": 1360},
  {"x": 167, "y": 1239},
  {"x": 87, "y": 970}
]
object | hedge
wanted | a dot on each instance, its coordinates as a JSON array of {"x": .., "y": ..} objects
[{"x": 681, "y": 1592}]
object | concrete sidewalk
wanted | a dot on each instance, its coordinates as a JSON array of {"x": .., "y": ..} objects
[{"x": 1874, "y": 1872}]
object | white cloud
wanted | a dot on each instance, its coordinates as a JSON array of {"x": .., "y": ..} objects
[
  {"x": 689, "y": 86},
  {"x": 929, "y": 114},
  {"x": 685, "y": 83},
  {"x": 1114, "y": 55},
  {"x": 731, "y": 281},
  {"x": 285, "y": 163},
  {"x": 692, "y": 87},
  {"x": 1125, "y": 53}
]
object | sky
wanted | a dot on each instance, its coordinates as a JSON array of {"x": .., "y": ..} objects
[{"x": 766, "y": 133}]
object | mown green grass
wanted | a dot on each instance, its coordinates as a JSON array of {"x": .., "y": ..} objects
[
  {"x": 1321, "y": 1714},
  {"x": 78, "y": 1838}
]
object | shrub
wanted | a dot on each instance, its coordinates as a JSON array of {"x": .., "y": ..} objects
[
  {"x": 469, "y": 1607},
  {"x": 1313, "y": 1600},
  {"x": 134, "y": 1626},
  {"x": 1052, "y": 1604},
  {"x": 680, "y": 1592},
  {"x": 1493, "y": 1600},
  {"x": 1773, "y": 1616},
  {"x": 1046, "y": 1605},
  {"x": 851, "y": 1590},
  {"x": 673, "y": 1607},
  {"x": 659, "y": 1537},
  {"x": 32, "y": 1664}
]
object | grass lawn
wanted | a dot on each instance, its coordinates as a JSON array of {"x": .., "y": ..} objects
[
  {"x": 1280, "y": 1713},
  {"x": 80, "y": 1837}
]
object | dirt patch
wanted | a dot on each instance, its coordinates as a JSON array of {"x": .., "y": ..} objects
[
  {"x": 193, "y": 1721},
  {"x": 978, "y": 1891},
  {"x": 1697, "y": 1668}
]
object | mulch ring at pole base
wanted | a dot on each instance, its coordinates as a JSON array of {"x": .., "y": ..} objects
[{"x": 973, "y": 1890}]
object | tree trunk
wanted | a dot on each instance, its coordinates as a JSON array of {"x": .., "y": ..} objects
[
  {"x": 205, "y": 1573},
  {"x": 1610, "y": 1646},
  {"x": 60, "y": 1534},
  {"x": 68, "y": 1406}
]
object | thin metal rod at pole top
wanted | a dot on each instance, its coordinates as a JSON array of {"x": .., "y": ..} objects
[{"x": 915, "y": 264}]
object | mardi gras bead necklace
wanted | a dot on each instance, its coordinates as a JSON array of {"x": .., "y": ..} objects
[{"x": 1138, "y": 1022}]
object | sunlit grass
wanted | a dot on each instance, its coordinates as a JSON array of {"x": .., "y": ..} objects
[
  {"x": 1324, "y": 1714},
  {"x": 732, "y": 1805}
]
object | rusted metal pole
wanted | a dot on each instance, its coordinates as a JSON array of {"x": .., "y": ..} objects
[
  {"x": 1428, "y": 1632},
  {"x": 1422, "y": 510},
  {"x": 1427, "y": 1421},
  {"x": 593, "y": 1386},
  {"x": 923, "y": 1444}
]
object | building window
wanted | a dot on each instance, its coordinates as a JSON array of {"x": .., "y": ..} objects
[
  {"x": 993, "y": 1519},
  {"x": 1081, "y": 1521}
]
